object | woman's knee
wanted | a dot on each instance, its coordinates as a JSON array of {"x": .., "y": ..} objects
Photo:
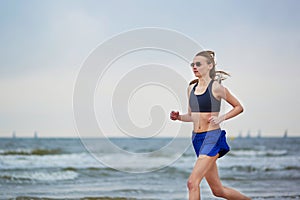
[{"x": 193, "y": 184}]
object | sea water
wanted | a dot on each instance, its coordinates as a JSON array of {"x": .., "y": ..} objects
[{"x": 63, "y": 168}]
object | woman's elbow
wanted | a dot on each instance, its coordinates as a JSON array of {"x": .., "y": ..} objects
[{"x": 241, "y": 109}]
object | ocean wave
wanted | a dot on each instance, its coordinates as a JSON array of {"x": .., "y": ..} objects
[
  {"x": 84, "y": 198},
  {"x": 107, "y": 171},
  {"x": 175, "y": 171},
  {"x": 251, "y": 168},
  {"x": 39, "y": 176},
  {"x": 55, "y": 174},
  {"x": 132, "y": 191},
  {"x": 94, "y": 171},
  {"x": 89, "y": 169},
  {"x": 277, "y": 197},
  {"x": 75, "y": 160},
  {"x": 257, "y": 153},
  {"x": 28, "y": 152}
]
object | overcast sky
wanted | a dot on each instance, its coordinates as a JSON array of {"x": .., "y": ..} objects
[{"x": 44, "y": 43}]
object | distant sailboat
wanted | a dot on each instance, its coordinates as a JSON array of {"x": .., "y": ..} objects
[
  {"x": 285, "y": 135},
  {"x": 248, "y": 134},
  {"x": 35, "y": 134},
  {"x": 240, "y": 134},
  {"x": 14, "y": 134},
  {"x": 259, "y": 133}
]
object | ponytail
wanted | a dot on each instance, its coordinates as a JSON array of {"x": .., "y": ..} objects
[{"x": 214, "y": 75}]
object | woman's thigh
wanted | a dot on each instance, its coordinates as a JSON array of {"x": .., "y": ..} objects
[
  {"x": 212, "y": 177},
  {"x": 202, "y": 166}
]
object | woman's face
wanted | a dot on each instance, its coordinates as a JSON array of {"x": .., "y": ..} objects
[{"x": 201, "y": 68}]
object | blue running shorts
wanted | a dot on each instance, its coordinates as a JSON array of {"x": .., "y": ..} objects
[{"x": 210, "y": 143}]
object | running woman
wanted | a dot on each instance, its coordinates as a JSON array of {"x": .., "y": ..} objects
[{"x": 209, "y": 141}]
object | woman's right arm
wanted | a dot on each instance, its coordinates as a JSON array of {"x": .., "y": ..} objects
[{"x": 186, "y": 117}]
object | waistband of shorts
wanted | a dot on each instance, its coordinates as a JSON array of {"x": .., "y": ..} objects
[{"x": 205, "y": 132}]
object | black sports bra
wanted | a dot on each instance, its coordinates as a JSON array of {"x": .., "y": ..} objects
[{"x": 205, "y": 102}]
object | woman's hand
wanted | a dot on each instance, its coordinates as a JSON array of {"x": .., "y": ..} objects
[
  {"x": 215, "y": 120},
  {"x": 174, "y": 115}
]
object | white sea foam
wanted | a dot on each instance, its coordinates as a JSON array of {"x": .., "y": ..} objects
[
  {"x": 41, "y": 175},
  {"x": 258, "y": 153},
  {"x": 76, "y": 160}
]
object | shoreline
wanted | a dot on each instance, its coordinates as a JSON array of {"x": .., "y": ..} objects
[{"x": 80, "y": 198}]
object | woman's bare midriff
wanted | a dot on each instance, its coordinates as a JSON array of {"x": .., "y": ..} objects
[{"x": 201, "y": 121}]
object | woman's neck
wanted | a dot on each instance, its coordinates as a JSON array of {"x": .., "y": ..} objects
[{"x": 203, "y": 81}]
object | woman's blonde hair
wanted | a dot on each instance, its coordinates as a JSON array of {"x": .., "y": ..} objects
[{"x": 214, "y": 75}]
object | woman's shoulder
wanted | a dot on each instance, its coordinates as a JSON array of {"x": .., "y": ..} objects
[
  {"x": 216, "y": 84},
  {"x": 217, "y": 88}
]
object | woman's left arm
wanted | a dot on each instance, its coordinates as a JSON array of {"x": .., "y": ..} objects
[
  {"x": 234, "y": 102},
  {"x": 223, "y": 93}
]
